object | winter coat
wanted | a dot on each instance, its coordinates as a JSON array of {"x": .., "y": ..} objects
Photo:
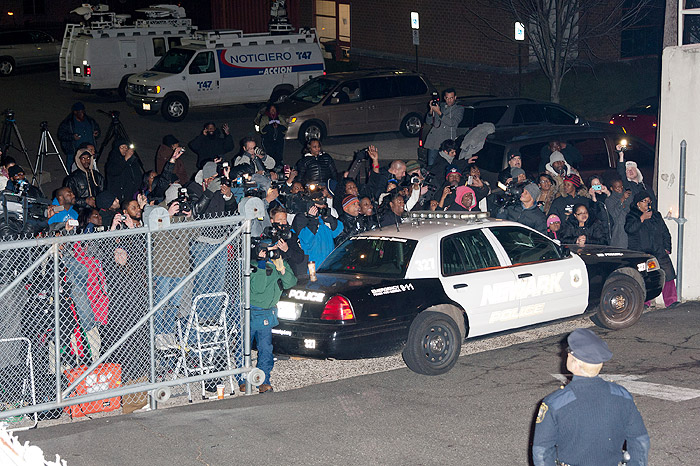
[
  {"x": 351, "y": 226},
  {"x": 532, "y": 217},
  {"x": 563, "y": 205},
  {"x": 207, "y": 203},
  {"x": 266, "y": 287},
  {"x": 268, "y": 163},
  {"x": 123, "y": 176},
  {"x": 316, "y": 237},
  {"x": 66, "y": 130},
  {"x": 84, "y": 183},
  {"x": 210, "y": 147},
  {"x": 319, "y": 169},
  {"x": 651, "y": 236},
  {"x": 377, "y": 183},
  {"x": 593, "y": 230},
  {"x": 443, "y": 127},
  {"x": 618, "y": 211},
  {"x": 163, "y": 157}
]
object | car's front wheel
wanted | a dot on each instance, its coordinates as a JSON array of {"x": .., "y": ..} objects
[
  {"x": 433, "y": 344},
  {"x": 411, "y": 125},
  {"x": 312, "y": 130},
  {"x": 7, "y": 66},
  {"x": 621, "y": 302},
  {"x": 174, "y": 108}
]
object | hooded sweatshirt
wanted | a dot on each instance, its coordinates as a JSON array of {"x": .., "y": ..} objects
[{"x": 84, "y": 182}]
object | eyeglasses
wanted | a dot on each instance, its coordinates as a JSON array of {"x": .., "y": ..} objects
[{"x": 581, "y": 213}]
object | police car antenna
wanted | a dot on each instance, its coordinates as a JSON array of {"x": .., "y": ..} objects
[{"x": 10, "y": 128}]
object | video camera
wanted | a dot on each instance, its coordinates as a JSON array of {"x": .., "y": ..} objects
[
  {"x": 277, "y": 232},
  {"x": 263, "y": 244},
  {"x": 313, "y": 196},
  {"x": 9, "y": 114},
  {"x": 511, "y": 195}
]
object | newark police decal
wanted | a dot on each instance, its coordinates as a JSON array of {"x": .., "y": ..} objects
[{"x": 513, "y": 290}]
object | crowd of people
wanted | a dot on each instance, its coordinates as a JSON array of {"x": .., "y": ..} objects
[{"x": 311, "y": 206}]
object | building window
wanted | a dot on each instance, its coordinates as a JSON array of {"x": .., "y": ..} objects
[
  {"x": 325, "y": 20},
  {"x": 644, "y": 37}
]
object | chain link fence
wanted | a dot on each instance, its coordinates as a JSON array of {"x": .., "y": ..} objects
[{"x": 103, "y": 321}]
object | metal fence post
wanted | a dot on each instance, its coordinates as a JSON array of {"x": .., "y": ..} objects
[
  {"x": 246, "y": 301},
  {"x": 57, "y": 322},
  {"x": 149, "y": 256},
  {"x": 681, "y": 220}
]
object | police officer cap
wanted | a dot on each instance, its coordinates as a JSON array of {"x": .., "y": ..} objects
[{"x": 586, "y": 346}]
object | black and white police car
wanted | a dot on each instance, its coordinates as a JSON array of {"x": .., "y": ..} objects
[{"x": 440, "y": 277}]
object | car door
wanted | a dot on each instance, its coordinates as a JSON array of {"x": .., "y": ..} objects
[
  {"x": 346, "y": 109},
  {"x": 549, "y": 284},
  {"x": 47, "y": 49},
  {"x": 473, "y": 275},
  {"x": 383, "y": 103},
  {"x": 203, "y": 80}
]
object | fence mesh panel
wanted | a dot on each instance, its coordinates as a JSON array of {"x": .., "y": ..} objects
[{"x": 106, "y": 285}]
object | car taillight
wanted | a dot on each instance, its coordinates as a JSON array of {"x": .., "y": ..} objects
[
  {"x": 612, "y": 122},
  {"x": 338, "y": 308},
  {"x": 652, "y": 264},
  {"x": 88, "y": 71},
  {"x": 653, "y": 125},
  {"x": 420, "y": 142}
]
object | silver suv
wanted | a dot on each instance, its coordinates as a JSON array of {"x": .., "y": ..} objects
[{"x": 26, "y": 47}]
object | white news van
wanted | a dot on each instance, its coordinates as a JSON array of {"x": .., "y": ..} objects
[
  {"x": 223, "y": 68},
  {"x": 103, "y": 53}
]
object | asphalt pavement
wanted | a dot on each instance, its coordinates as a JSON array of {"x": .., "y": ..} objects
[{"x": 481, "y": 412}]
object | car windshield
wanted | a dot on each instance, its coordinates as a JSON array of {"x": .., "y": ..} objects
[
  {"x": 313, "y": 91},
  {"x": 174, "y": 61},
  {"x": 378, "y": 256}
]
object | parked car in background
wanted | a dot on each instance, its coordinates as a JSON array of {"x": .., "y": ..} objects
[
  {"x": 640, "y": 120},
  {"x": 596, "y": 145},
  {"x": 19, "y": 48},
  {"x": 508, "y": 111},
  {"x": 357, "y": 102}
]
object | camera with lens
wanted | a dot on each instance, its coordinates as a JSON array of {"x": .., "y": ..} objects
[
  {"x": 277, "y": 232},
  {"x": 624, "y": 145},
  {"x": 220, "y": 167},
  {"x": 435, "y": 98},
  {"x": 361, "y": 154},
  {"x": 262, "y": 244},
  {"x": 9, "y": 114},
  {"x": 314, "y": 197},
  {"x": 511, "y": 195},
  {"x": 183, "y": 200}
]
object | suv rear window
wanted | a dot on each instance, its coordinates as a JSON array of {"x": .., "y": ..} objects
[
  {"x": 371, "y": 255},
  {"x": 476, "y": 116}
]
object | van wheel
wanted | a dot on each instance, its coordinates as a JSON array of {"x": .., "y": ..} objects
[
  {"x": 174, "y": 108},
  {"x": 621, "y": 302},
  {"x": 121, "y": 90},
  {"x": 7, "y": 66},
  {"x": 312, "y": 130},
  {"x": 411, "y": 125},
  {"x": 278, "y": 94},
  {"x": 433, "y": 344}
]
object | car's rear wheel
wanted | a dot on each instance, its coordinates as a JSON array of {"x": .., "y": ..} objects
[
  {"x": 174, "y": 108},
  {"x": 312, "y": 130},
  {"x": 7, "y": 66},
  {"x": 411, "y": 125},
  {"x": 621, "y": 302},
  {"x": 433, "y": 344}
]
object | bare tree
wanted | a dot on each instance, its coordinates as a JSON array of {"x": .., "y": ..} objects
[{"x": 559, "y": 32}]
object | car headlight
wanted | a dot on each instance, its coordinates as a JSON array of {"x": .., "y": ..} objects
[
  {"x": 293, "y": 120},
  {"x": 153, "y": 89}
]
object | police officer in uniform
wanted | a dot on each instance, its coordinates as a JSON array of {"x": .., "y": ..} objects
[{"x": 587, "y": 422}]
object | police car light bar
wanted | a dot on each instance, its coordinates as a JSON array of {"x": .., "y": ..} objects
[{"x": 434, "y": 215}]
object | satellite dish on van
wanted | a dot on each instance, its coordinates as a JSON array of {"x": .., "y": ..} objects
[
  {"x": 121, "y": 19},
  {"x": 86, "y": 10},
  {"x": 163, "y": 11}
]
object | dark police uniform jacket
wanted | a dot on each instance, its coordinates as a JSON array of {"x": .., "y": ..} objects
[{"x": 586, "y": 424}]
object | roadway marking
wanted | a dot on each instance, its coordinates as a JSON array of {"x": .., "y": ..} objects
[{"x": 654, "y": 390}]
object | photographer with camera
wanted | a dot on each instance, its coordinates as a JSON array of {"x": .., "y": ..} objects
[
  {"x": 252, "y": 155},
  {"x": 123, "y": 170},
  {"x": 166, "y": 177},
  {"x": 286, "y": 241},
  {"x": 317, "y": 228},
  {"x": 379, "y": 178},
  {"x": 77, "y": 128},
  {"x": 18, "y": 184},
  {"x": 211, "y": 143},
  {"x": 444, "y": 118},
  {"x": 165, "y": 153},
  {"x": 85, "y": 182},
  {"x": 523, "y": 209},
  {"x": 631, "y": 176},
  {"x": 269, "y": 278}
]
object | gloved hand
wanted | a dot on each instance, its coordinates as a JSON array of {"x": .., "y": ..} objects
[
  {"x": 214, "y": 185},
  {"x": 279, "y": 265}
]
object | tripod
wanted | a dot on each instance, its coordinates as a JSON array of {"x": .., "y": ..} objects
[
  {"x": 43, "y": 151},
  {"x": 9, "y": 127},
  {"x": 116, "y": 131}
]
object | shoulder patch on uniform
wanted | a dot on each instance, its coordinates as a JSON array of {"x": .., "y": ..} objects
[
  {"x": 561, "y": 398},
  {"x": 618, "y": 390},
  {"x": 542, "y": 412}
]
